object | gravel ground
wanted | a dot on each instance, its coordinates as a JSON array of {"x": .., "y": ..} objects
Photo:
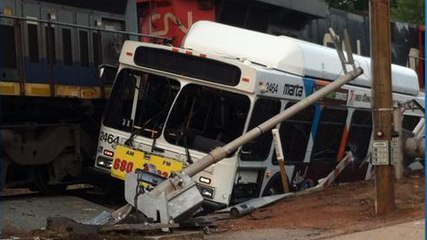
[{"x": 30, "y": 213}]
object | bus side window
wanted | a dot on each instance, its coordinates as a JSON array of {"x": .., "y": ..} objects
[
  {"x": 360, "y": 134},
  {"x": 328, "y": 136},
  {"x": 258, "y": 149},
  {"x": 409, "y": 122},
  {"x": 294, "y": 135}
]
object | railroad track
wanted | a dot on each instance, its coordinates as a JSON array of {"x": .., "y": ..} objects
[
  {"x": 82, "y": 191},
  {"x": 11, "y": 193}
]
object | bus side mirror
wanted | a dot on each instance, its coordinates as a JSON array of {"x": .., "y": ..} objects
[{"x": 107, "y": 73}]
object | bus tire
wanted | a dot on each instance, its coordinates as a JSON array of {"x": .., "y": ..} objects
[{"x": 274, "y": 186}]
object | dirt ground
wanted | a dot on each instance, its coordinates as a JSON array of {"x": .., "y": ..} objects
[{"x": 343, "y": 209}]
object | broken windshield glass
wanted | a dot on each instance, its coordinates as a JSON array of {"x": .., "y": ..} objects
[
  {"x": 204, "y": 118},
  {"x": 156, "y": 95},
  {"x": 140, "y": 102}
]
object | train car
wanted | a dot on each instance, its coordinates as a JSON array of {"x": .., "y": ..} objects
[
  {"x": 50, "y": 94},
  {"x": 173, "y": 18}
]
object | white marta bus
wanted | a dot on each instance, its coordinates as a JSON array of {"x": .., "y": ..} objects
[{"x": 174, "y": 105}]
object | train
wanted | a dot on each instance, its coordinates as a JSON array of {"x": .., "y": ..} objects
[
  {"x": 307, "y": 20},
  {"x": 51, "y": 98}
]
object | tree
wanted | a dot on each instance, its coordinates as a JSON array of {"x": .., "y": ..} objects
[{"x": 411, "y": 11}]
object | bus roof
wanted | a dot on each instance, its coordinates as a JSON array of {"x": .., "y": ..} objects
[{"x": 287, "y": 54}]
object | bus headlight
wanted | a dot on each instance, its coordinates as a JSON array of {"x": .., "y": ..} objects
[
  {"x": 206, "y": 192},
  {"x": 205, "y": 180},
  {"x": 104, "y": 162}
]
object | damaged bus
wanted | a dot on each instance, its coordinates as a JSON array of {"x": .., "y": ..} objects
[{"x": 171, "y": 106}]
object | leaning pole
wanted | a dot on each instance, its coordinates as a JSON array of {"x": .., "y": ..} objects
[{"x": 220, "y": 153}]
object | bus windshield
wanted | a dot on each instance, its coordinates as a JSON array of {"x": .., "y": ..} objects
[
  {"x": 204, "y": 118},
  {"x": 153, "y": 95}
]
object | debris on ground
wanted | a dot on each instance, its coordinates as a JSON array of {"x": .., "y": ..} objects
[{"x": 343, "y": 208}]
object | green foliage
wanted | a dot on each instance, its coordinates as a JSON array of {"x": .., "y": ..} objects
[{"x": 411, "y": 11}]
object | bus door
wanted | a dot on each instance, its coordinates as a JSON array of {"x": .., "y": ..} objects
[
  {"x": 296, "y": 135},
  {"x": 254, "y": 156}
]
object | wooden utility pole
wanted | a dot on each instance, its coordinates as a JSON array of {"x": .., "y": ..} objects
[{"x": 382, "y": 104}]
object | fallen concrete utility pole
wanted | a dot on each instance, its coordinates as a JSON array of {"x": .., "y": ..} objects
[
  {"x": 177, "y": 198},
  {"x": 419, "y": 128},
  {"x": 221, "y": 152}
]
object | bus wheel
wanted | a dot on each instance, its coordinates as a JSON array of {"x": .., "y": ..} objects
[
  {"x": 274, "y": 186},
  {"x": 42, "y": 177}
]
